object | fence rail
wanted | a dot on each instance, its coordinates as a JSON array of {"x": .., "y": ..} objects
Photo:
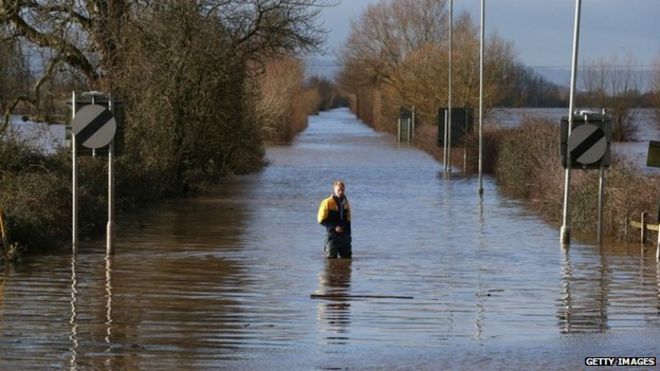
[{"x": 644, "y": 227}]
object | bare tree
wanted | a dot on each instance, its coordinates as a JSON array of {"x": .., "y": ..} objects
[
  {"x": 14, "y": 72},
  {"x": 85, "y": 35},
  {"x": 614, "y": 85},
  {"x": 88, "y": 36},
  {"x": 382, "y": 63},
  {"x": 390, "y": 30},
  {"x": 191, "y": 78},
  {"x": 655, "y": 89}
]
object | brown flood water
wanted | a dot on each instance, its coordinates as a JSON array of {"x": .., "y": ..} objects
[{"x": 223, "y": 281}]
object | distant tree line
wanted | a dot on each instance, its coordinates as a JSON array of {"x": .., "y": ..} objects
[
  {"x": 397, "y": 56},
  {"x": 525, "y": 87},
  {"x": 654, "y": 96}
]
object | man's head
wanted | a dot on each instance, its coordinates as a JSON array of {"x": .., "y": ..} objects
[{"x": 339, "y": 188}]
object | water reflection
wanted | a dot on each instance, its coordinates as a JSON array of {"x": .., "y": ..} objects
[
  {"x": 478, "y": 322},
  {"x": 73, "y": 322},
  {"x": 3, "y": 281},
  {"x": 584, "y": 299},
  {"x": 335, "y": 311},
  {"x": 223, "y": 280},
  {"x": 108, "y": 307}
]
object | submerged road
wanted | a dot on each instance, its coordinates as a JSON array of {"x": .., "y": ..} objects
[{"x": 236, "y": 279}]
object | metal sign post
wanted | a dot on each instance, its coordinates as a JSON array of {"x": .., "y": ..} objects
[
  {"x": 405, "y": 125},
  {"x": 601, "y": 201},
  {"x": 565, "y": 232},
  {"x": 409, "y": 129},
  {"x": 74, "y": 175},
  {"x": 653, "y": 160},
  {"x": 110, "y": 241},
  {"x": 481, "y": 98},
  {"x": 93, "y": 126},
  {"x": 589, "y": 148},
  {"x": 412, "y": 130},
  {"x": 444, "y": 142},
  {"x": 449, "y": 121}
]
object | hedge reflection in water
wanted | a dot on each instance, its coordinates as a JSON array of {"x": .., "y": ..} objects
[{"x": 224, "y": 280}]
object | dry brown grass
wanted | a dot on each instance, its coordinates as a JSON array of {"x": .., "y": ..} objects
[
  {"x": 526, "y": 163},
  {"x": 284, "y": 103}
]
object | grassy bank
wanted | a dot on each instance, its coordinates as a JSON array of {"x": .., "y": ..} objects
[{"x": 525, "y": 161}]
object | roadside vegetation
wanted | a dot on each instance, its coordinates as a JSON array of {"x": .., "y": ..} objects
[
  {"x": 204, "y": 84},
  {"x": 528, "y": 165},
  {"x": 525, "y": 162},
  {"x": 396, "y": 56}
]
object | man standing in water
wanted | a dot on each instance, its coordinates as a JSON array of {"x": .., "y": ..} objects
[{"x": 335, "y": 215}]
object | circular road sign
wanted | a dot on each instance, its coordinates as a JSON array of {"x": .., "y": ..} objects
[
  {"x": 94, "y": 126},
  {"x": 587, "y": 144}
]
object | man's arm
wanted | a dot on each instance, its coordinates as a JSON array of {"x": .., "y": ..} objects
[{"x": 322, "y": 216}]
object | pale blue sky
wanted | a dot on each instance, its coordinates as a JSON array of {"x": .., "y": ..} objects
[{"x": 542, "y": 30}]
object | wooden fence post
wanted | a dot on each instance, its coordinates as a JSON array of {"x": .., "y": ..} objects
[
  {"x": 657, "y": 248},
  {"x": 643, "y": 228},
  {"x": 3, "y": 233}
]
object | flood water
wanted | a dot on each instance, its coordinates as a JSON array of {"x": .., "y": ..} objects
[
  {"x": 635, "y": 151},
  {"x": 439, "y": 277}
]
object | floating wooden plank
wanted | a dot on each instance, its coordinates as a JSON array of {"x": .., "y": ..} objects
[{"x": 349, "y": 296}]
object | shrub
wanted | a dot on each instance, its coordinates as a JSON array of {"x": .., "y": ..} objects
[{"x": 526, "y": 163}]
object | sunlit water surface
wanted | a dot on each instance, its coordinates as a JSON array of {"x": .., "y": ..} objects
[{"x": 224, "y": 280}]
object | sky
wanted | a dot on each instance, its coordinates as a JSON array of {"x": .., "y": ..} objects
[{"x": 542, "y": 30}]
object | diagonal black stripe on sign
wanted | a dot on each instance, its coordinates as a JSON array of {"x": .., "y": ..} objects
[
  {"x": 94, "y": 126},
  {"x": 586, "y": 144}
]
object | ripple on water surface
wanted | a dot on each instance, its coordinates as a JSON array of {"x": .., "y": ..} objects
[{"x": 440, "y": 278}]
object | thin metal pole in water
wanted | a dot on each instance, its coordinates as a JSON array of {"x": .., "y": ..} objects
[
  {"x": 74, "y": 177},
  {"x": 601, "y": 201},
  {"x": 398, "y": 130},
  {"x": 642, "y": 237},
  {"x": 110, "y": 246},
  {"x": 444, "y": 145},
  {"x": 657, "y": 247},
  {"x": 565, "y": 232},
  {"x": 465, "y": 156},
  {"x": 73, "y": 319},
  {"x": 412, "y": 134},
  {"x": 481, "y": 98},
  {"x": 108, "y": 294},
  {"x": 449, "y": 121}
]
